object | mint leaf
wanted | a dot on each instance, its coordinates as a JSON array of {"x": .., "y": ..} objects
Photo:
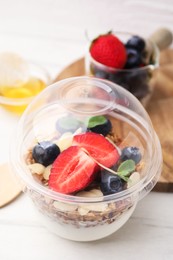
[
  {"x": 125, "y": 169},
  {"x": 127, "y": 166},
  {"x": 125, "y": 178},
  {"x": 96, "y": 120}
]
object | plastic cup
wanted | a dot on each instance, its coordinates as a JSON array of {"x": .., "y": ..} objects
[
  {"x": 138, "y": 80},
  {"x": 71, "y": 216}
]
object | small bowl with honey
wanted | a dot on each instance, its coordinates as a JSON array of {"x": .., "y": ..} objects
[{"x": 20, "y": 81}]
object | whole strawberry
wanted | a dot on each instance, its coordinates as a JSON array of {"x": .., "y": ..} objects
[{"x": 108, "y": 50}]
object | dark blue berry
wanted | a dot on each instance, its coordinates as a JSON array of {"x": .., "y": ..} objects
[
  {"x": 136, "y": 42},
  {"x": 119, "y": 78},
  {"x": 103, "y": 127},
  {"x": 45, "y": 152},
  {"x": 131, "y": 153},
  {"x": 134, "y": 58},
  {"x": 138, "y": 82},
  {"x": 111, "y": 183}
]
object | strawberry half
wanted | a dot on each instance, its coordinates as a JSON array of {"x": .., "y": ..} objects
[
  {"x": 109, "y": 50},
  {"x": 98, "y": 147},
  {"x": 72, "y": 171}
]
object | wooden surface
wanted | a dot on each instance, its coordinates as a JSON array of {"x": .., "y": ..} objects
[{"x": 159, "y": 108}]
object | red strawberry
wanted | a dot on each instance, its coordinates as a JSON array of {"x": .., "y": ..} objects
[
  {"x": 109, "y": 50},
  {"x": 72, "y": 171},
  {"x": 98, "y": 147}
]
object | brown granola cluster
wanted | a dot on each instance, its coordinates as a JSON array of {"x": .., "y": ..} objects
[{"x": 81, "y": 215}]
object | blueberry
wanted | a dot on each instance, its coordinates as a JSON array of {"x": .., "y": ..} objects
[
  {"x": 137, "y": 81},
  {"x": 45, "y": 152},
  {"x": 111, "y": 183},
  {"x": 131, "y": 153},
  {"x": 99, "y": 125},
  {"x": 136, "y": 42},
  {"x": 134, "y": 58},
  {"x": 137, "y": 77},
  {"x": 119, "y": 78}
]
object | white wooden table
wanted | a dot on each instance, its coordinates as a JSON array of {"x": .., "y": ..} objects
[{"x": 52, "y": 32}]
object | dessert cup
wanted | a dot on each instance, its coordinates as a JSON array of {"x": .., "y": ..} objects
[
  {"x": 135, "y": 80},
  {"x": 72, "y": 216}
]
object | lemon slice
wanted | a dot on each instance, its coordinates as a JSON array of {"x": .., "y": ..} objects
[{"x": 14, "y": 70}]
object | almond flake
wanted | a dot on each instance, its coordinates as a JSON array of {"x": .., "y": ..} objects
[
  {"x": 90, "y": 194},
  {"x": 82, "y": 211},
  {"x": 64, "y": 206},
  {"x": 36, "y": 168},
  {"x": 65, "y": 141},
  {"x": 47, "y": 172},
  {"x": 94, "y": 207}
]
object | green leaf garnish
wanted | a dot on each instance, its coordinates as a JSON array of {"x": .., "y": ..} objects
[
  {"x": 96, "y": 120},
  {"x": 122, "y": 176},
  {"x": 125, "y": 169}
]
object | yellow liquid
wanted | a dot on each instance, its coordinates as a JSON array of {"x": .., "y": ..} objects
[{"x": 29, "y": 89}]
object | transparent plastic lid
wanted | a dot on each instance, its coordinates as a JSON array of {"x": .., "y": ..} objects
[{"x": 97, "y": 116}]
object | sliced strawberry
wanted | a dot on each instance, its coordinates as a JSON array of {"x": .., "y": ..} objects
[
  {"x": 98, "y": 147},
  {"x": 72, "y": 171}
]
